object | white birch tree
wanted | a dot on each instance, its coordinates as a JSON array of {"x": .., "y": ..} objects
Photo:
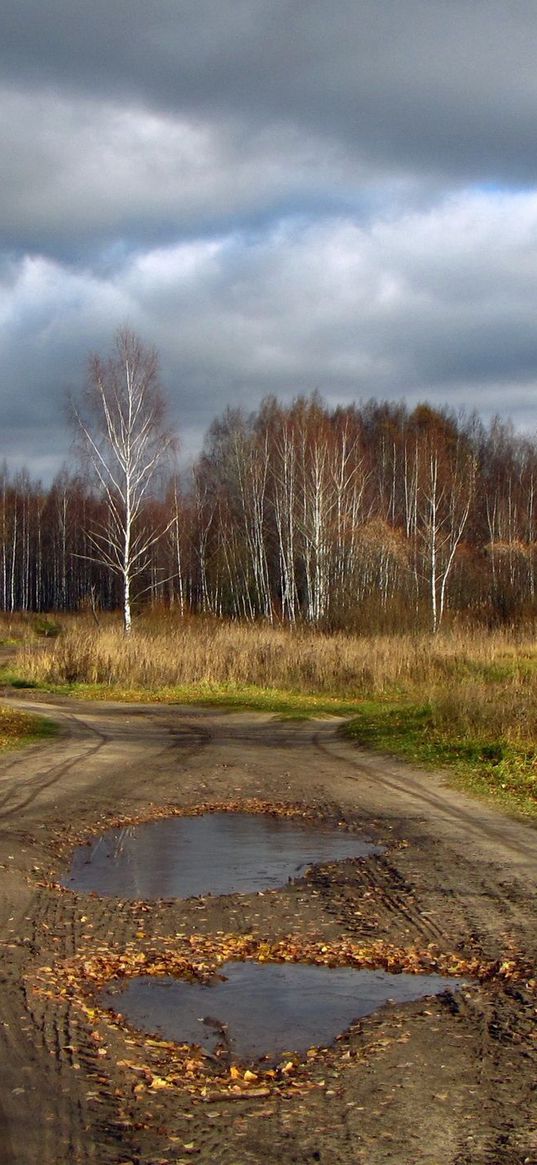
[
  {"x": 121, "y": 426},
  {"x": 444, "y": 507}
]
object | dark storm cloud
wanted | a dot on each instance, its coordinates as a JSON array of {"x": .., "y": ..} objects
[
  {"x": 281, "y": 195},
  {"x": 84, "y": 173},
  {"x": 414, "y": 85}
]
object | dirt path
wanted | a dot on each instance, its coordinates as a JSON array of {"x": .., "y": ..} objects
[{"x": 435, "y": 1082}]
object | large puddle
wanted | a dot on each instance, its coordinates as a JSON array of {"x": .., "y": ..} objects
[
  {"x": 263, "y": 1009},
  {"x": 216, "y": 853}
]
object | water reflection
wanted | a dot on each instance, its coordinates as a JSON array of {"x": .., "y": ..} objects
[
  {"x": 264, "y": 1009},
  {"x": 217, "y": 853}
]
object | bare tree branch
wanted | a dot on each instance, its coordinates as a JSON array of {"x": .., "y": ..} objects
[{"x": 122, "y": 431}]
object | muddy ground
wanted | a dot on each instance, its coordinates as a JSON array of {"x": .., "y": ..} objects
[{"x": 446, "y": 1080}]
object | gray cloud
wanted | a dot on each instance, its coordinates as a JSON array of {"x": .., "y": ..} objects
[
  {"x": 409, "y": 85},
  {"x": 436, "y": 305},
  {"x": 84, "y": 173},
  {"x": 281, "y": 196}
]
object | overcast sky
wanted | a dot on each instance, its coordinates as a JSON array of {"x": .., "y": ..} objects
[{"x": 280, "y": 195}]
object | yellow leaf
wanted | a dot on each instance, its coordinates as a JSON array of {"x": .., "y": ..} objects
[{"x": 159, "y": 1082}]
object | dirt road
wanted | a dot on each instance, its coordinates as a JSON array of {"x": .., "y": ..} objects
[{"x": 447, "y": 1080}]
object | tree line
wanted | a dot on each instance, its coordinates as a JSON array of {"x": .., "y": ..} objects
[{"x": 368, "y": 516}]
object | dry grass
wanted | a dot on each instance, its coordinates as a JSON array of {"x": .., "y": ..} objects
[
  {"x": 463, "y": 698},
  {"x": 461, "y": 671},
  {"x": 20, "y": 627},
  {"x": 506, "y": 710},
  {"x": 201, "y": 651}
]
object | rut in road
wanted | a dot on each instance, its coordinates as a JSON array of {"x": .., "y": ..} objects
[{"x": 437, "y": 1083}]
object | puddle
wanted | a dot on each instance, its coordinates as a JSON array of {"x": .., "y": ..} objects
[
  {"x": 216, "y": 853},
  {"x": 264, "y": 1009}
]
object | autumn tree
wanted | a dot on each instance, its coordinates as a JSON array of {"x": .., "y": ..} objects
[
  {"x": 445, "y": 475},
  {"x": 124, "y": 440}
]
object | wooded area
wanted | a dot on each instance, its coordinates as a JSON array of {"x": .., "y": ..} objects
[{"x": 368, "y": 516}]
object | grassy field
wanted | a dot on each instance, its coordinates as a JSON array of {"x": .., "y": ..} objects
[
  {"x": 465, "y": 700},
  {"x": 18, "y": 728}
]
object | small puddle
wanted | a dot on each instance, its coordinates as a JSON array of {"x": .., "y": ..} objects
[
  {"x": 215, "y": 853},
  {"x": 263, "y": 1010}
]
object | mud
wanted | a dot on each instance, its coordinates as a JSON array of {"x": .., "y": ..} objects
[{"x": 444, "y": 1081}]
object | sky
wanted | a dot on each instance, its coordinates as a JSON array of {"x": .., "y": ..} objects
[{"x": 281, "y": 196}]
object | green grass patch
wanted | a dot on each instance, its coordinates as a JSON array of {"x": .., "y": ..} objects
[
  {"x": 11, "y": 677},
  {"x": 493, "y": 768},
  {"x": 18, "y": 729},
  {"x": 235, "y": 697}
]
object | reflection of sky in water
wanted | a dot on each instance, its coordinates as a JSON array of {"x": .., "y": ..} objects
[
  {"x": 268, "y": 1009},
  {"x": 217, "y": 853}
]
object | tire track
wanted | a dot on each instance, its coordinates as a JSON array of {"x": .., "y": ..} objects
[
  {"x": 45, "y": 1040},
  {"x": 36, "y": 783},
  {"x": 508, "y": 837},
  {"x": 409, "y": 1096},
  {"x": 24, "y": 790}
]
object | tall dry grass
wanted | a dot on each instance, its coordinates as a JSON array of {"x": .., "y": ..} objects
[
  {"x": 505, "y": 711},
  {"x": 469, "y": 678},
  {"x": 206, "y": 652},
  {"x": 467, "y": 698},
  {"x": 21, "y": 626}
]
